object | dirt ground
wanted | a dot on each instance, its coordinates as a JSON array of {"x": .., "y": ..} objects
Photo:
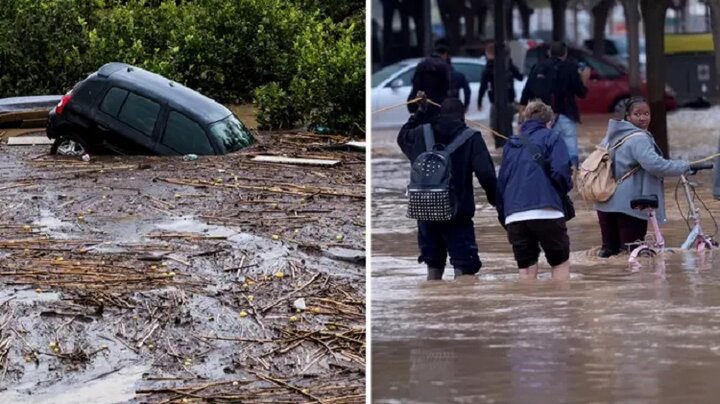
[{"x": 154, "y": 279}]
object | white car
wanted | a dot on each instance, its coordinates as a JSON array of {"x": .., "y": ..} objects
[{"x": 391, "y": 85}]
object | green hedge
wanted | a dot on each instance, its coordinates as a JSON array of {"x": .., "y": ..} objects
[{"x": 297, "y": 64}]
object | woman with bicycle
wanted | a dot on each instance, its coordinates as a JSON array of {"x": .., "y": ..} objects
[{"x": 619, "y": 223}]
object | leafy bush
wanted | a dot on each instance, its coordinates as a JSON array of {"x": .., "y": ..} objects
[
  {"x": 227, "y": 49},
  {"x": 328, "y": 86}
]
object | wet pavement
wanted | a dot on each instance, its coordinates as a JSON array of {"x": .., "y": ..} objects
[{"x": 609, "y": 334}]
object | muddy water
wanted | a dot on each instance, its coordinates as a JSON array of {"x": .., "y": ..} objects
[{"x": 610, "y": 334}]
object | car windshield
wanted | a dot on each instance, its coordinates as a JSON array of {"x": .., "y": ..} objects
[
  {"x": 383, "y": 74},
  {"x": 231, "y": 134}
]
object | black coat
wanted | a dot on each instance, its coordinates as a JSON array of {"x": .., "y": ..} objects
[
  {"x": 568, "y": 85},
  {"x": 487, "y": 82}
]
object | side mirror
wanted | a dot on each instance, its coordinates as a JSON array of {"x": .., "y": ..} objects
[{"x": 397, "y": 83}]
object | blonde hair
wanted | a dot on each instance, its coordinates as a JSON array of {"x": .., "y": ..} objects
[{"x": 536, "y": 109}]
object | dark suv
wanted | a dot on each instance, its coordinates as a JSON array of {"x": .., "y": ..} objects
[{"x": 128, "y": 110}]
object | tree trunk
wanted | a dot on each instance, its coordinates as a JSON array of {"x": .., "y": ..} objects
[
  {"x": 715, "y": 18},
  {"x": 558, "y": 17},
  {"x": 576, "y": 24},
  {"x": 424, "y": 29},
  {"x": 388, "y": 10},
  {"x": 600, "y": 17},
  {"x": 471, "y": 22},
  {"x": 481, "y": 10},
  {"x": 525, "y": 13},
  {"x": 632, "y": 18},
  {"x": 405, "y": 28},
  {"x": 503, "y": 115},
  {"x": 450, "y": 11},
  {"x": 653, "y": 13},
  {"x": 509, "y": 20}
]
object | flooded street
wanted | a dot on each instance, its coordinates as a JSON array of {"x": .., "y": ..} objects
[{"x": 610, "y": 334}]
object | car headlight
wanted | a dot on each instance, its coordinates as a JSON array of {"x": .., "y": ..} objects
[{"x": 669, "y": 90}]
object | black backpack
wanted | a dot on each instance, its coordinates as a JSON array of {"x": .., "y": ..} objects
[
  {"x": 542, "y": 81},
  {"x": 430, "y": 196}
]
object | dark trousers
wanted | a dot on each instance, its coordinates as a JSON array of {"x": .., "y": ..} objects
[
  {"x": 619, "y": 229},
  {"x": 457, "y": 238}
]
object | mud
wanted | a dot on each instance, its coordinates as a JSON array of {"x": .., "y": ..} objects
[
  {"x": 153, "y": 279},
  {"x": 610, "y": 334}
]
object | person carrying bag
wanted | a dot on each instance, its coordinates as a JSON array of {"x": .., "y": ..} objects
[{"x": 533, "y": 204}]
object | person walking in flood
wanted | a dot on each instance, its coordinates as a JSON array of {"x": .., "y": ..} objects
[
  {"x": 557, "y": 82},
  {"x": 468, "y": 155},
  {"x": 535, "y": 177},
  {"x": 639, "y": 162}
]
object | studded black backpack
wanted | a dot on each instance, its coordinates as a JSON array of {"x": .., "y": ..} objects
[{"x": 430, "y": 195}]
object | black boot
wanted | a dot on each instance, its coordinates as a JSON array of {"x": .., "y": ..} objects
[{"x": 434, "y": 274}]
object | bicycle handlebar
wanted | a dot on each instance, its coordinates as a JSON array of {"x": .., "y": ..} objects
[{"x": 701, "y": 166}]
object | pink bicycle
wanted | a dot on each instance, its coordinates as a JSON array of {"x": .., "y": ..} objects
[{"x": 654, "y": 242}]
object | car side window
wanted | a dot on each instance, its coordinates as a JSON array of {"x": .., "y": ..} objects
[
  {"x": 139, "y": 112},
  {"x": 185, "y": 136},
  {"x": 472, "y": 71},
  {"x": 113, "y": 101},
  {"x": 603, "y": 69},
  {"x": 405, "y": 77}
]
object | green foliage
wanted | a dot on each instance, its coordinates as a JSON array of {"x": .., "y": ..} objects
[{"x": 227, "y": 49}]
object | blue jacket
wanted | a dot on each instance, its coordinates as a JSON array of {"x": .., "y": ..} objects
[{"x": 522, "y": 183}]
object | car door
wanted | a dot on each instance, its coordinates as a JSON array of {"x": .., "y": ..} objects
[
  {"x": 126, "y": 121},
  {"x": 607, "y": 83},
  {"x": 182, "y": 135},
  {"x": 394, "y": 91}
]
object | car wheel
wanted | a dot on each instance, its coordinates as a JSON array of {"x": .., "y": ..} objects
[
  {"x": 618, "y": 107},
  {"x": 66, "y": 146}
]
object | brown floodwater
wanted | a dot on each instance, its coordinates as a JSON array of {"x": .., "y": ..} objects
[{"x": 609, "y": 334}]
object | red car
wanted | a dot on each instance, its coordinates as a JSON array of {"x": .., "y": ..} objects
[{"x": 609, "y": 83}]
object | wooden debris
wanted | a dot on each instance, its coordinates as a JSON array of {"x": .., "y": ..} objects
[
  {"x": 29, "y": 140},
  {"x": 292, "y": 160}
]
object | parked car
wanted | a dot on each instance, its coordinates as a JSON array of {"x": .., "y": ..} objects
[
  {"x": 608, "y": 84},
  {"x": 391, "y": 85},
  {"x": 128, "y": 110}
]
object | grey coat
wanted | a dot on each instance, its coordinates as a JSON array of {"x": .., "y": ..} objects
[{"x": 638, "y": 151}]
